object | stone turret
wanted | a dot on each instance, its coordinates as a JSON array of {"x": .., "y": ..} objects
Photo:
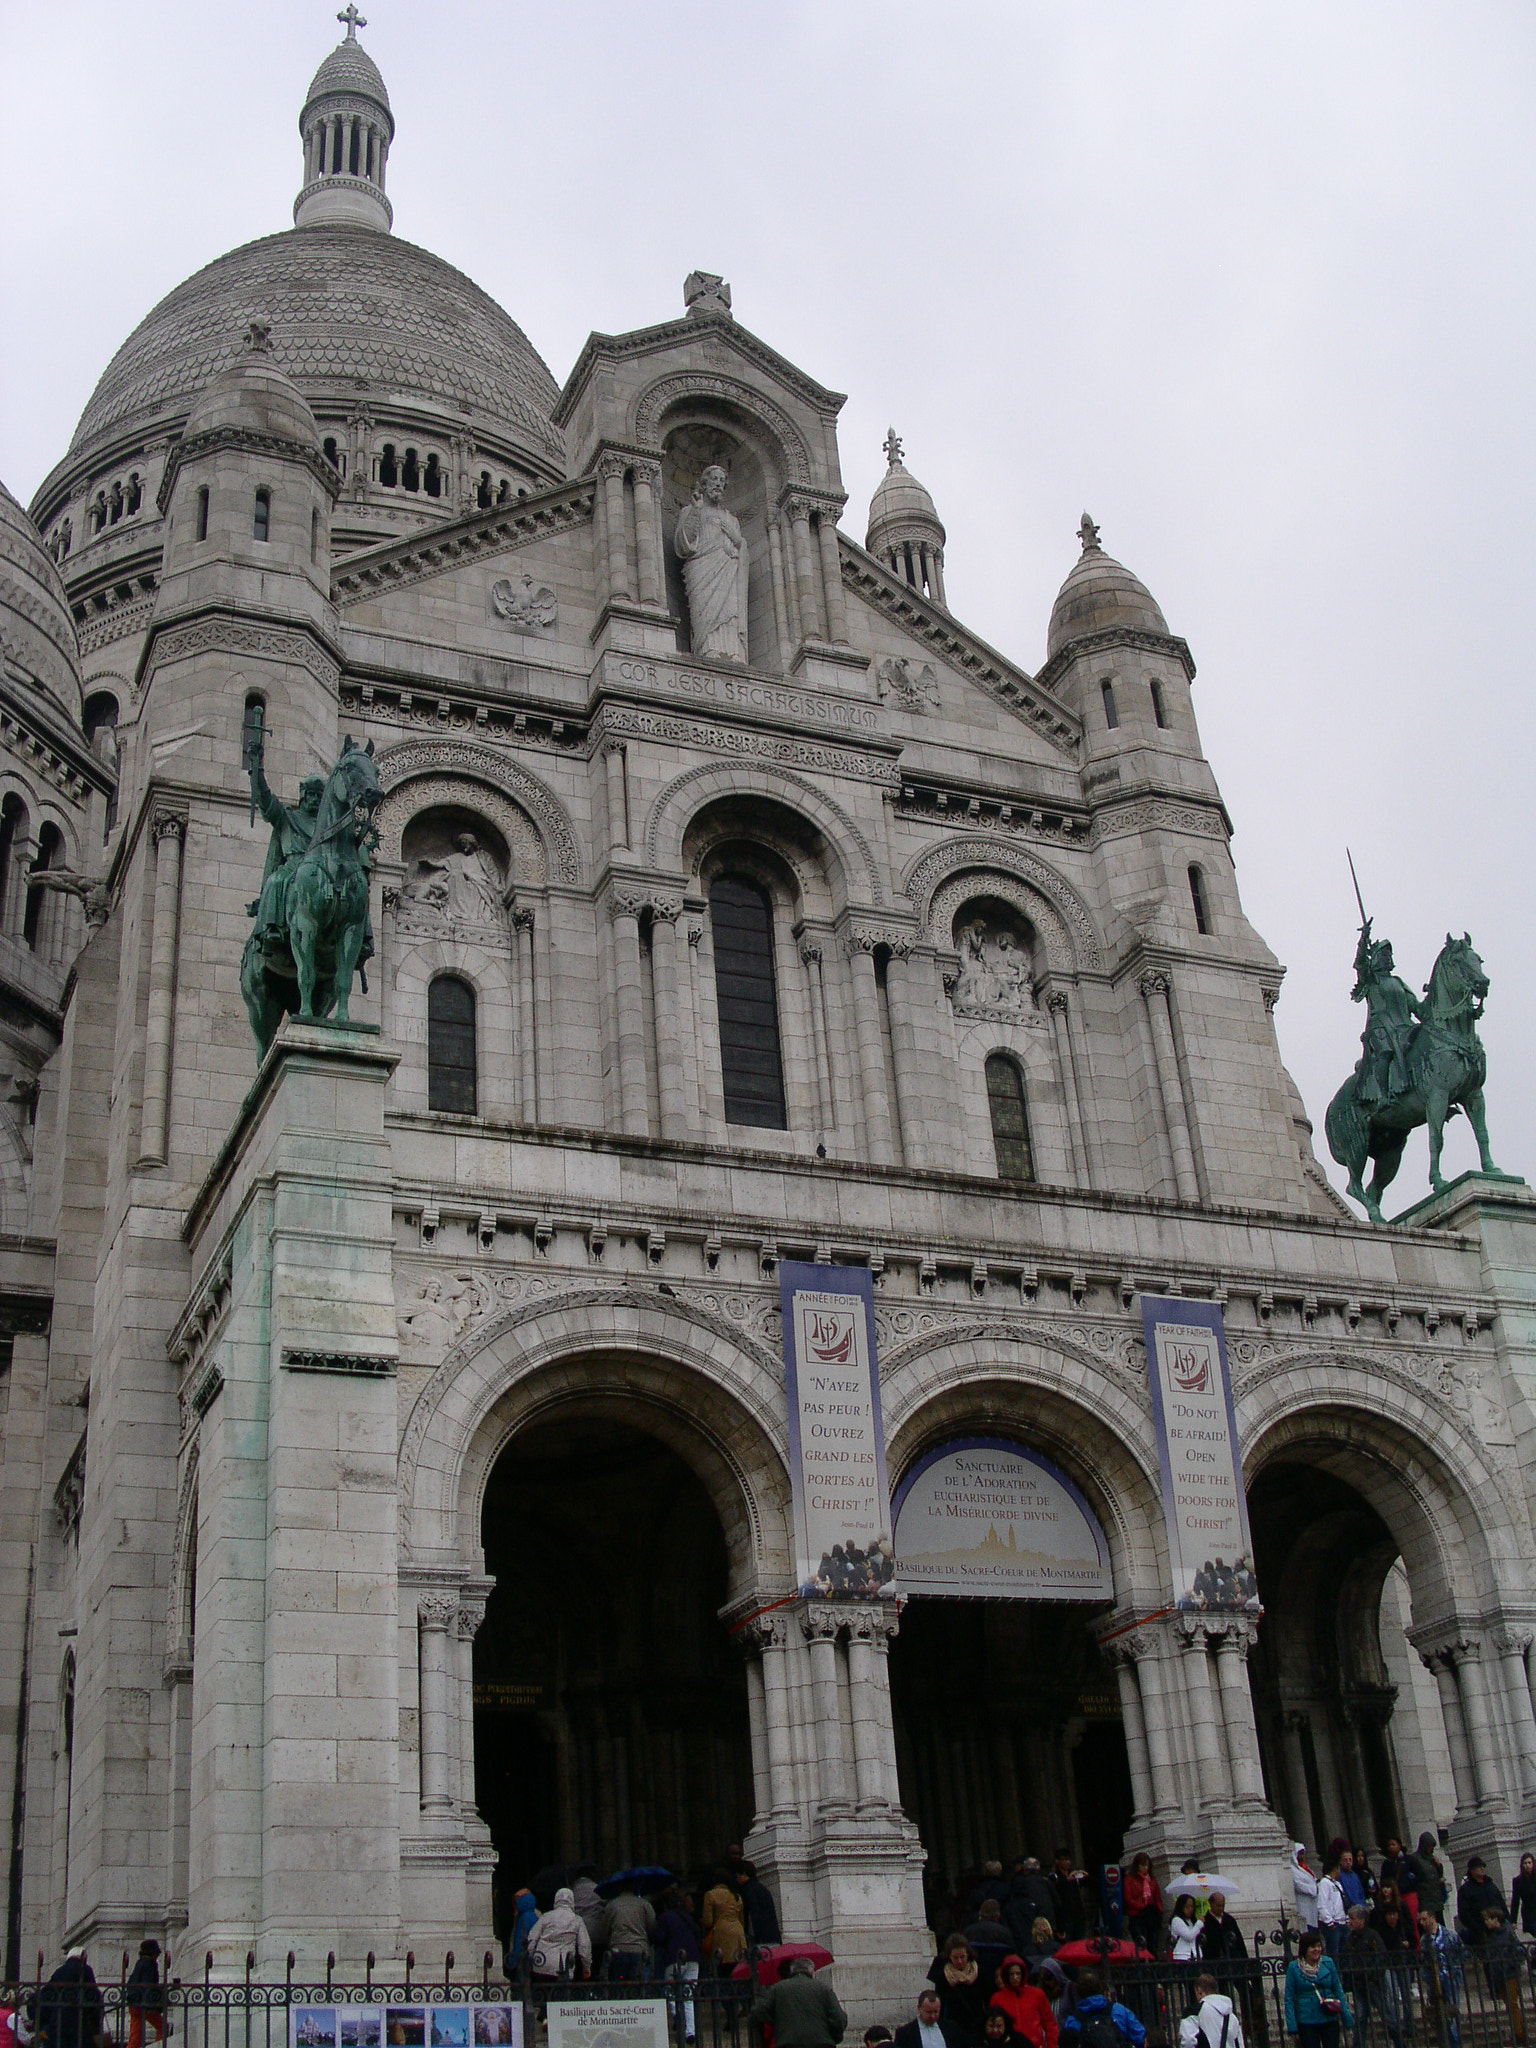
[
  {"x": 347, "y": 128},
  {"x": 905, "y": 531}
]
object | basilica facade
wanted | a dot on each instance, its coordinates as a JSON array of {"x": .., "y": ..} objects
[{"x": 395, "y": 1487}]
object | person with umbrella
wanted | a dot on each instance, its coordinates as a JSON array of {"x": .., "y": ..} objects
[{"x": 801, "y": 2008}]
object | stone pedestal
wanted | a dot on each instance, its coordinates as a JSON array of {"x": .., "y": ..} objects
[{"x": 294, "y": 1828}]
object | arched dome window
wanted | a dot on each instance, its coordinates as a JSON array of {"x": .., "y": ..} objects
[
  {"x": 451, "y": 1046},
  {"x": 1010, "y": 1120},
  {"x": 752, "y": 1071},
  {"x": 50, "y": 845}
]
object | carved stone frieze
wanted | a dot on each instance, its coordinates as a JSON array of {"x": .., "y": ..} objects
[
  {"x": 746, "y": 744},
  {"x": 413, "y": 758},
  {"x": 524, "y": 604},
  {"x": 913, "y": 689}
]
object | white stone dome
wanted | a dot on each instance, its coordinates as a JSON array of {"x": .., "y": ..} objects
[
  {"x": 1099, "y": 595},
  {"x": 37, "y": 628},
  {"x": 254, "y": 397},
  {"x": 350, "y": 70},
  {"x": 900, "y": 510},
  {"x": 356, "y": 317}
]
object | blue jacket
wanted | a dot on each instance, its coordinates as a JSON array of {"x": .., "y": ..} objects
[
  {"x": 1125, "y": 2020},
  {"x": 1303, "y": 1996},
  {"x": 525, "y": 1910}
]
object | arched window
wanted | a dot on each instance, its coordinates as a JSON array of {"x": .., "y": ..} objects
[
  {"x": 410, "y": 474},
  {"x": 388, "y": 474},
  {"x": 1010, "y": 1123},
  {"x": 432, "y": 482},
  {"x": 13, "y": 820},
  {"x": 200, "y": 531},
  {"x": 503, "y": 491},
  {"x": 117, "y": 503},
  {"x": 1111, "y": 715},
  {"x": 1197, "y": 897},
  {"x": 451, "y": 1046},
  {"x": 1159, "y": 709},
  {"x": 741, "y": 926},
  {"x": 331, "y": 453},
  {"x": 50, "y": 844},
  {"x": 263, "y": 520},
  {"x": 483, "y": 490},
  {"x": 135, "y": 494},
  {"x": 314, "y": 533}
]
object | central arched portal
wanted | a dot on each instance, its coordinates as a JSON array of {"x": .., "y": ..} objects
[{"x": 611, "y": 1720}]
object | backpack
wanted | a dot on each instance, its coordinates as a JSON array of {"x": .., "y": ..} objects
[{"x": 1097, "y": 2029}]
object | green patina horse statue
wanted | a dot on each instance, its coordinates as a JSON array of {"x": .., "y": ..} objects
[
  {"x": 1434, "y": 1068},
  {"x": 312, "y": 925}
]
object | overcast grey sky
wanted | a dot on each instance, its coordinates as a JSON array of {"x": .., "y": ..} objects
[{"x": 1251, "y": 282}]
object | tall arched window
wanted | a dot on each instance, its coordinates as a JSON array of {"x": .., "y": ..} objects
[
  {"x": 13, "y": 820},
  {"x": 741, "y": 927},
  {"x": 1111, "y": 714},
  {"x": 1197, "y": 897},
  {"x": 262, "y": 524},
  {"x": 50, "y": 845},
  {"x": 1159, "y": 708},
  {"x": 1010, "y": 1123},
  {"x": 451, "y": 1045}
]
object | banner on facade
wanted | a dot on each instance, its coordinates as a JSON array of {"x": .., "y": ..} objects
[
  {"x": 608, "y": 2023},
  {"x": 984, "y": 1519},
  {"x": 1210, "y": 1550},
  {"x": 836, "y": 1441}
]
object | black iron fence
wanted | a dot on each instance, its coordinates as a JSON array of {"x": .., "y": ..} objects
[{"x": 1464, "y": 1998}]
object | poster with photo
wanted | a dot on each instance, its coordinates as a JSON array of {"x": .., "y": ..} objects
[
  {"x": 335, "y": 2026},
  {"x": 405, "y": 2026},
  {"x": 608, "y": 2023},
  {"x": 496, "y": 2026},
  {"x": 447, "y": 2026}
]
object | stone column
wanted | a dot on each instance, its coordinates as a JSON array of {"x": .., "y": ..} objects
[
  {"x": 543, "y": 1020},
  {"x": 437, "y": 1613},
  {"x": 783, "y": 625},
  {"x": 1143, "y": 1793},
  {"x": 936, "y": 571},
  {"x": 810, "y": 954},
  {"x": 866, "y": 1020},
  {"x": 471, "y": 1614},
  {"x": 1154, "y": 1704},
  {"x": 770, "y": 1632},
  {"x": 757, "y": 1723},
  {"x": 527, "y": 1041},
  {"x": 669, "y": 1012},
  {"x": 1215, "y": 1788},
  {"x": 805, "y": 570},
  {"x": 868, "y": 1761},
  {"x": 169, "y": 833},
  {"x": 1473, "y": 1684},
  {"x": 629, "y": 1017},
  {"x": 910, "y": 1088},
  {"x": 1513, "y": 1646},
  {"x": 610, "y": 470},
  {"x": 711, "y": 1075},
  {"x": 1237, "y": 1714},
  {"x": 17, "y": 870},
  {"x": 1056, "y": 1003},
  {"x": 1439, "y": 1662},
  {"x": 647, "y": 476},
  {"x": 832, "y": 577},
  {"x": 820, "y": 1626},
  {"x": 1154, "y": 987},
  {"x": 1298, "y": 1794},
  {"x": 615, "y": 766}
]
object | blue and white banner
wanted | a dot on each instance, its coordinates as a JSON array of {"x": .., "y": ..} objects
[
  {"x": 1209, "y": 1547},
  {"x": 836, "y": 1439}
]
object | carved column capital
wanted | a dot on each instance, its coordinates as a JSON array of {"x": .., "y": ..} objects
[
  {"x": 1057, "y": 1000},
  {"x": 646, "y": 469},
  {"x": 628, "y": 903},
  {"x": 1154, "y": 983},
  {"x": 762, "y": 1632},
  {"x": 820, "y": 1623},
  {"x": 471, "y": 1615},
  {"x": 809, "y": 952},
  {"x": 612, "y": 464},
  {"x": 666, "y": 909},
  {"x": 522, "y": 917},
  {"x": 695, "y": 933},
  {"x": 438, "y": 1611},
  {"x": 1512, "y": 1640},
  {"x": 169, "y": 825}
]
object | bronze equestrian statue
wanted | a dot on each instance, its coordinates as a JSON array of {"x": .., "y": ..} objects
[
  {"x": 1421, "y": 1061},
  {"x": 312, "y": 924}
]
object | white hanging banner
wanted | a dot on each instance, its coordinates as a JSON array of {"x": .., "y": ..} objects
[
  {"x": 985, "y": 1519},
  {"x": 1209, "y": 1547}
]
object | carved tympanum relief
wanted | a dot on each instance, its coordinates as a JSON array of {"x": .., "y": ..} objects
[
  {"x": 523, "y": 603},
  {"x": 456, "y": 877},
  {"x": 995, "y": 978},
  {"x": 913, "y": 689}
]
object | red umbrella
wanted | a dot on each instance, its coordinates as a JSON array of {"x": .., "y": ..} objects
[
  {"x": 770, "y": 1961},
  {"x": 1082, "y": 1955}
]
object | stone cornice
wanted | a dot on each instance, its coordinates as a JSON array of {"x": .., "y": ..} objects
[
  {"x": 673, "y": 333},
  {"x": 964, "y": 651},
  {"x": 468, "y": 538},
  {"x": 276, "y": 636},
  {"x": 1114, "y": 636},
  {"x": 218, "y": 439},
  {"x": 41, "y": 741}
]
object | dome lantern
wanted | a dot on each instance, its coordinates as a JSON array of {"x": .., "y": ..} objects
[
  {"x": 347, "y": 127},
  {"x": 1100, "y": 594},
  {"x": 905, "y": 532}
]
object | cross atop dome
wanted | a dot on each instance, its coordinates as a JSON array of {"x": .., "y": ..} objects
[
  {"x": 353, "y": 20},
  {"x": 1087, "y": 533},
  {"x": 892, "y": 446}
]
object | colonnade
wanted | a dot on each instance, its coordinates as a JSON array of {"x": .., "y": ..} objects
[
  {"x": 1187, "y": 1711},
  {"x": 331, "y": 144},
  {"x": 1484, "y": 1681}
]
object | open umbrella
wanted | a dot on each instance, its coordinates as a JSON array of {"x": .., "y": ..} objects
[
  {"x": 546, "y": 1882},
  {"x": 1094, "y": 1950},
  {"x": 645, "y": 1877},
  {"x": 770, "y": 1961},
  {"x": 1203, "y": 1882}
]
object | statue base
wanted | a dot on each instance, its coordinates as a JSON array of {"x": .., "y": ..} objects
[{"x": 1453, "y": 1206}]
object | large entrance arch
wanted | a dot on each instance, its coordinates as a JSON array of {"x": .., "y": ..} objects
[{"x": 610, "y": 1707}]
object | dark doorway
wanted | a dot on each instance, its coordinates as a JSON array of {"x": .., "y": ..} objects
[
  {"x": 610, "y": 1705},
  {"x": 1008, "y": 1736},
  {"x": 1322, "y": 1695}
]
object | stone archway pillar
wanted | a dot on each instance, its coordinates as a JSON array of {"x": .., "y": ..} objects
[{"x": 1513, "y": 1646}]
